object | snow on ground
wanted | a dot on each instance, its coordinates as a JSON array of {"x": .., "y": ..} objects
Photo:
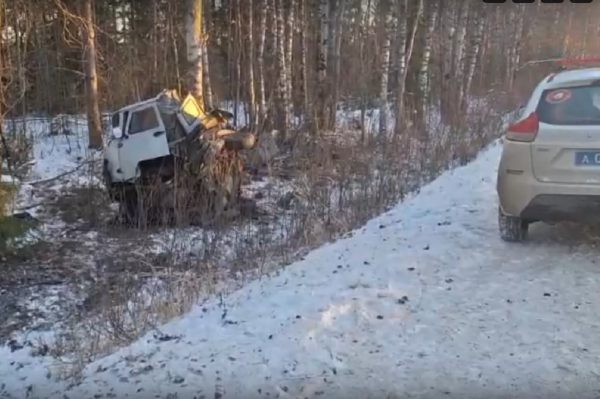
[
  {"x": 57, "y": 154},
  {"x": 265, "y": 192},
  {"x": 423, "y": 301},
  {"x": 45, "y": 288},
  {"x": 54, "y": 156},
  {"x": 8, "y": 179}
]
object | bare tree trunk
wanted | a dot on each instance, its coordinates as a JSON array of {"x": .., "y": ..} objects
[
  {"x": 337, "y": 59},
  {"x": 586, "y": 35},
  {"x": 230, "y": 57},
  {"x": 4, "y": 154},
  {"x": 509, "y": 46},
  {"x": 281, "y": 58},
  {"x": 472, "y": 60},
  {"x": 413, "y": 34},
  {"x": 461, "y": 34},
  {"x": 407, "y": 58},
  {"x": 567, "y": 37},
  {"x": 385, "y": 70},
  {"x": 155, "y": 47},
  {"x": 91, "y": 80},
  {"x": 22, "y": 78},
  {"x": 423, "y": 76},
  {"x": 289, "y": 111},
  {"x": 238, "y": 58},
  {"x": 251, "y": 82},
  {"x": 459, "y": 60},
  {"x": 304, "y": 67},
  {"x": 261, "y": 60},
  {"x": 208, "y": 100},
  {"x": 321, "y": 121},
  {"x": 515, "y": 49},
  {"x": 448, "y": 22},
  {"x": 402, "y": 65},
  {"x": 193, "y": 28},
  {"x": 176, "y": 61},
  {"x": 363, "y": 31}
]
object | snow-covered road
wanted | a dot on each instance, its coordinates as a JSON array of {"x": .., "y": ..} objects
[{"x": 424, "y": 301}]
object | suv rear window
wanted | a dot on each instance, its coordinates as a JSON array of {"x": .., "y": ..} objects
[{"x": 570, "y": 106}]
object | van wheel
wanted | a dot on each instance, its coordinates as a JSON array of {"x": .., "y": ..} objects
[{"x": 512, "y": 228}]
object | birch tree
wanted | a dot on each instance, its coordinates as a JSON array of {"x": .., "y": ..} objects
[
  {"x": 262, "y": 35},
  {"x": 458, "y": 60},
  {"x": 91, "y": 79},
  {"x": 322, "y": 63},
  {"x": 517, "y": 20},
  {"x": 332, "y": 50},
  {"x": 515, "y": 48},
  {"x": 405, "y": 48},
  {"x": 251, "y": 83},
  {"x": 4, "y": 155},
  {"x": 423, "y": 76},
  {"x": 281, "y": 63},
  {"x": 401, "y": 46},
  {"x": 193, "y": 28},
  {"x": 208, "y": 93},
  {"x": 475, "y": 50},
  {"x": 289, "y": 50},
  {"x": 448, "y": 22},
  {"x": 308, "y": 110},
  {"x": 385, "y": 70},
  {"x": 336, "y": 58}
]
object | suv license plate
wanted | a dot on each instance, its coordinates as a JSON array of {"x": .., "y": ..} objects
[{"x": 587, "y": 158}]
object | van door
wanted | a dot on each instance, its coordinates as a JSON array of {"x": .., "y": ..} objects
[
  {"x": 190, "y": 114},
  {"x": 144, "y": 138}
]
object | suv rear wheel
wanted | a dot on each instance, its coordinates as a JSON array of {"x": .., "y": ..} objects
[{"x": 512, "y": 228}]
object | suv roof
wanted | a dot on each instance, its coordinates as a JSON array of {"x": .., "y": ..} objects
[
  {"x": 558, "y": 80},
  {"x": 574, "y": 77}
]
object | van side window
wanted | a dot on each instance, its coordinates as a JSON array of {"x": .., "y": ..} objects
[
  {"x": 144, "y": 119},
  {"x": 115, "y": 120}
]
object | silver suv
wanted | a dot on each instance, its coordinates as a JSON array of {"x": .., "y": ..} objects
[{"x": 550, "y": 165}]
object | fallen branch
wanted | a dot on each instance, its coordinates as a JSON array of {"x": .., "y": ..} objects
[
  {"x": 30, "y": 206},
  {"x": 534, "y": 62},
  {"x": 60, "y": 176},
  {"x": 41, "y": 284}
]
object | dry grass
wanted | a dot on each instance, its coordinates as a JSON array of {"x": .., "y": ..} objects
[
  {"x": 7, "y": 192},
  {"x": 18, "y": 147},
  {"x": 335, "y": 187}
]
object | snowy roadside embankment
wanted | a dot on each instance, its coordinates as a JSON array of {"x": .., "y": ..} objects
[{"x": 423, "y": 301}]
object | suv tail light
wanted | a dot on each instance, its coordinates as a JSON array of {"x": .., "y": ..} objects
[{"x": 525, "y": 130}]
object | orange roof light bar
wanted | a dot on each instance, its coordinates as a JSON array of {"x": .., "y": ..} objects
[{"x": 578, "y": 61}]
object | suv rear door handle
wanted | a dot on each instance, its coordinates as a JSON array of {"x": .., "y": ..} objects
[{"x": 156, "y": 134}]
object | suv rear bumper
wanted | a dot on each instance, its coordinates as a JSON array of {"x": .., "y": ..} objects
[
  {"x": 557, "y": 208},
  {"x": 522, "y": 195},
  {"x": 526, "y": 197}
]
